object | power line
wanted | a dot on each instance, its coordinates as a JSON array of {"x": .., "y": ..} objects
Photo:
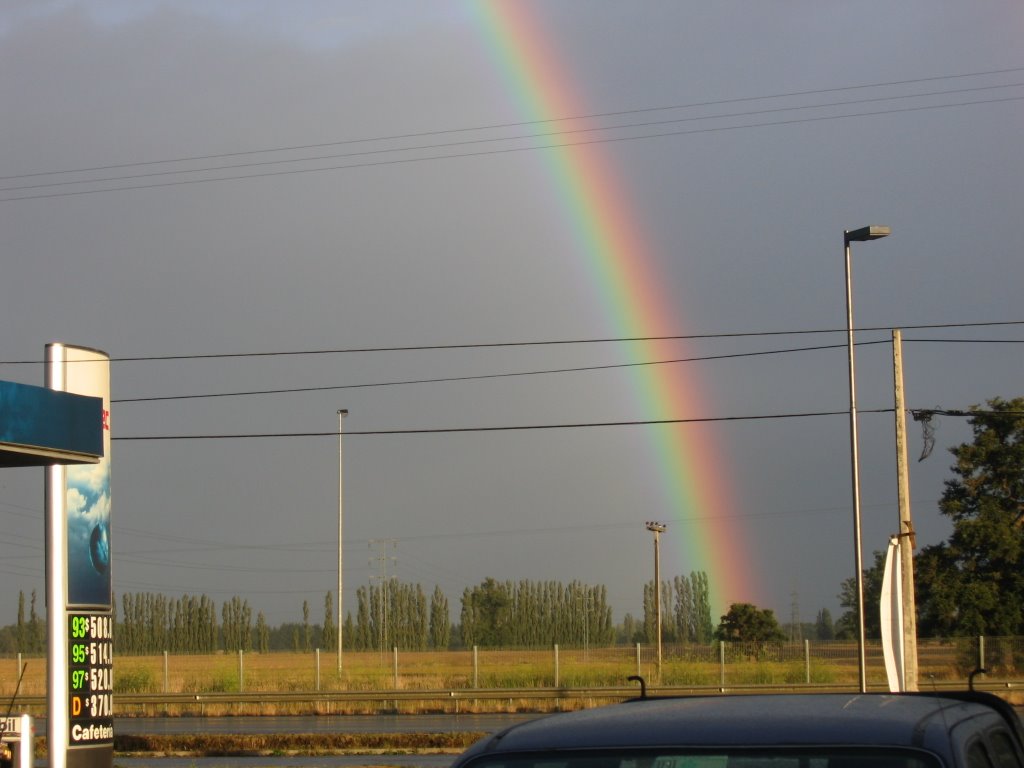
[
  {"x": 926, "y": 413},
  {"x": 507, "y": 150},
  {"x": 544, "y": 427},
  {"x": 509, "y": 428},
  {"x": 485, "y": 376},
  {"x": 220, "y": 567},
  {"x": 133, "y": 556},
  {"x": 542, "y": 372},
  {"x": 502, "y": 139},
  {"x": 964, "y": 341},
  {"x": 499, "y": 126},
  {"x": 224, "y": 547},
  {"x": 533, "y": 343}
]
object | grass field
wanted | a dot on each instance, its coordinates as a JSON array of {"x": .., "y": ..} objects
[
  {"x": 486, "y": 670},
  {"x": 775, "y": 664}
]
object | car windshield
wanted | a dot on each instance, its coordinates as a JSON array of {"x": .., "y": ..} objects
[{"x": 833, "y": 757}]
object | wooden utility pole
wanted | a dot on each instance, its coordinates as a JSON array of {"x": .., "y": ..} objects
[
  {"x": 657, "y": 529},
  {"x": 906, "y": 531}
]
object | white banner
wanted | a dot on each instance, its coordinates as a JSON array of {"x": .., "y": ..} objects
[{"x": 891, "y": 606}]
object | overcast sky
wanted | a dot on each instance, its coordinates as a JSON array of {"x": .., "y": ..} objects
[{"x": 817, "y": 117}]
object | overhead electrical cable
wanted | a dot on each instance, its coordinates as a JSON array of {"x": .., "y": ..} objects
[
  {"x": 499, "y": 126},
  {"x": 484, "y": 376},
  {"x": 544, "y": 427},
  {"x": 497, "y": 139},
  {"x": 501, "y": 151},
  {"x": 541, "y": 372},
  {"x": 507, "y": 428},
  {"x": 964, "y": 341},
  {"x": 534, "y": 343},
  {"x": 561, "y": 426}
]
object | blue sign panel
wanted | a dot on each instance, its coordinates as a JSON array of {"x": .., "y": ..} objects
[{"x": 42, "y": 426}]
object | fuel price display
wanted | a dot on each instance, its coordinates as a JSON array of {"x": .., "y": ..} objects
[{"x": 90, "y": 678}]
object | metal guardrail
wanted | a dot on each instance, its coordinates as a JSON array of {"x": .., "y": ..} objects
[{"x": 125, "y": 702}]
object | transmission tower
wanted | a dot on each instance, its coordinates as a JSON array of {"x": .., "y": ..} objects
[
  {"x": 380, "y": 560},
  {"x": 796, "y": 629}
]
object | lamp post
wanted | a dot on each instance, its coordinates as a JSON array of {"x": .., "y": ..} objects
[
  {"x": 341, "y": 518},
  {"x": 856, "y": 236},
  {"x": 657, "y": 529}
]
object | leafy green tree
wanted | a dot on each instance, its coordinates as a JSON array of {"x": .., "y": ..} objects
[
  {"x": 692, "y": 608},
  {"x": 936, "y": 587},
  {"x": 631, "y": 631},
  {"x": 348, "y": 632},
  {"x": 157, "y": 631},
  {"x": 703, "y": 630},
  {"x": 745, "y": 622},
  {"x": 307, "y": 633},
  {"x": 36, "y": 628},
  {"x": 535, "y": 614},
  {"x": 846, "y": 627},
  {"x": 330, "y": 632},
  {"x": 125, "y": 637},
  {"x": 228, "y": 627},
  {"x": 363, "y": 631},
  {"x": 685, "y": 610},
  {"x": 262, "y": 633},
  {"x": 404, "y": 615},
  {"x": 823, "y": 628},
  {"x": 9, "y": 639},
  {"x": 440, "y": 620},
  {"x": 283, "y": 636},
  {"x": 683, "y": 607},
  {"x": 485, "y": 614},
  {"x": 237, "y": 625},
  {"x": 651, "y": 614},
  {"x": 389, "y": 614},
  {"x": 22, "y": 629},
  {"x": 974, "y": 583}
]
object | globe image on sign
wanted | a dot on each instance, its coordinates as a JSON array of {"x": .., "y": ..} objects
[{"x": 99, "y": 548}]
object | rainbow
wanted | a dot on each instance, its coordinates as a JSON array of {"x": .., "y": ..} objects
[{"x": 610, "y": 241}]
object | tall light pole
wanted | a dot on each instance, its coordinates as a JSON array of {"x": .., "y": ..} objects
[
  {"x": 657, "y": 529},
  {"x": 341, "y": 520},
  {"x": 857, "y": 236}
]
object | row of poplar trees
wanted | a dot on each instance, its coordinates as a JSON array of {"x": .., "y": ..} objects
[
  {"x": 395, "y": 614},
  {"x": 685, "y": 610},
  {"x": 153, "y": 623},
  {"x": 535, "y": 614}
]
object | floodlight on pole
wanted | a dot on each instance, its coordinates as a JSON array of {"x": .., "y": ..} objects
[{"x": 861, "y": 235}]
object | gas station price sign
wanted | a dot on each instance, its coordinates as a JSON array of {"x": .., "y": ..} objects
[{"x": 90, "y": 678}]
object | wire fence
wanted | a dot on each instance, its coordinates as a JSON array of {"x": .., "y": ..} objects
[{"x": 712, "y": 665}]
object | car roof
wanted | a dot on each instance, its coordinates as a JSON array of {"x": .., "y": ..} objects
[{"x": 854, "y": 719}]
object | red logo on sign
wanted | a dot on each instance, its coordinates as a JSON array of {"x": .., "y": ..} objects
[{"x": 106, "y": 420}]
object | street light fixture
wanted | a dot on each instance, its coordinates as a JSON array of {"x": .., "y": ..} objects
[
  {"x": 341, "y": 522},
  {"x": 657, "y": 529},
  {"x": 857, "y": 236}
]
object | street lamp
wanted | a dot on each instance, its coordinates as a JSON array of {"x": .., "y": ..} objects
[
  {"x": 857, "y": 236},
  {"x": 657, "y": 529},
  {"x": 341, "y": 518}
]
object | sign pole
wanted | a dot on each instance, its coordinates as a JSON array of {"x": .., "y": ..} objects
[
  {"x": 79, "y": 609},
  {"x": 56, "y": 589}
]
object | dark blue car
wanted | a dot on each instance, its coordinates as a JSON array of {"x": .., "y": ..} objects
[{"x": 766, "y": 731}]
